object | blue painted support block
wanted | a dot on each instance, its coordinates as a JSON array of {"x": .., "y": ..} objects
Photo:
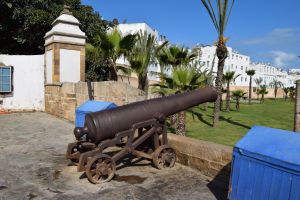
[
  {"x": 266, "y": 165},
  {"x": 88, "y": 107}
]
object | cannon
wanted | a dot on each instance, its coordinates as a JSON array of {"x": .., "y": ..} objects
[{"x": 133, "y": 123}]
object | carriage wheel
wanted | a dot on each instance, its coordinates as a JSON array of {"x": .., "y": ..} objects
[
  {"x": 100, "y": 169},
  {"x": 164, "y": 156}
]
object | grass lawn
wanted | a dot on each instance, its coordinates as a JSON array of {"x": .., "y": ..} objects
[{"x": 234, "y": 125}]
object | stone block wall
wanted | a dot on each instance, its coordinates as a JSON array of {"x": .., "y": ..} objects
[
  {"x": 213, "y": 160},
  {"x": 62, "y": 99}
]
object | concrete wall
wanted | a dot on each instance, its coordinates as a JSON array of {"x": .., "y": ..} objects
[
  {"x": 28, "y": 82},
  {"x": 62, "y": 99}
]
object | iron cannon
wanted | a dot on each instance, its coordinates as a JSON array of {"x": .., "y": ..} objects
[{"x": 112, "y": 127}]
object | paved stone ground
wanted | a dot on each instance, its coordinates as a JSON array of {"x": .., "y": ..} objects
[{"x": 33, "y": 166}]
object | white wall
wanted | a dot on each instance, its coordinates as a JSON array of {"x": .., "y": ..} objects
[
  {"x": 69, "y": 66},
  {"x": 49, "y": 66},
  {"x": 28, "y": 82}
]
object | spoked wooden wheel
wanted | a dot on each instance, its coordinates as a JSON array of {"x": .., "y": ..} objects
[
  {"x": 164, "y": 156},
  {"x": 100, "y": 169}
]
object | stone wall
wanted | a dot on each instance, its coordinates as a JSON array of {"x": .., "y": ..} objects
[
  {"x": 213, "y": 160},
  {"x": 62, "y": 99},
  {"x": 280, "y": 93}
]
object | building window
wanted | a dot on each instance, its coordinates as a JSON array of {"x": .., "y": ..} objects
[
  {"x": 241, "y": 67},
  {"x": 241, "y": 79},
  {"x": 245, "y": 79},
  {"x": 6, "y": 79}
]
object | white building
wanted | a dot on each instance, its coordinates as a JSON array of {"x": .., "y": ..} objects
[
  {"x": 269, "y": 73},
  {"x": 135, "y": 28},
  {"x": 241, "y": 63},
  {"x": 234, "y": 62}
]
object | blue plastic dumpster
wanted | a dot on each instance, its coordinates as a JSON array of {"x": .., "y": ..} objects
[
  {"x": 88, "y": 107},
  {"x": 266, "y": 165}
]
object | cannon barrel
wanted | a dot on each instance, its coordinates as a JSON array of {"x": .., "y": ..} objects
[{"x": 105, "y": 124}]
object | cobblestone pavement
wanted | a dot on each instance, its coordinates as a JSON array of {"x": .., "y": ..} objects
[{"x": 33, "y": 166}]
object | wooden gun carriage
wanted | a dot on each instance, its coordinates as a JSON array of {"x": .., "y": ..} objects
[{"x": 110, "y": 128}]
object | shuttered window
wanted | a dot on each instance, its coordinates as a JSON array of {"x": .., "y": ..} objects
[{"x": 5, "y": 79}]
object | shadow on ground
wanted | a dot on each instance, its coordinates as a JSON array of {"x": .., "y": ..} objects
[{"x": 219, "y": 186}]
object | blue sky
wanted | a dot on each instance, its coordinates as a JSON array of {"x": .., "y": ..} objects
[{"x": 267, "y": 30}]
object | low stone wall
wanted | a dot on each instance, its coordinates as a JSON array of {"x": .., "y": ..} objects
[
  {"x": 62, "y": 99},
  {"x": 280, "y": 93},
  {"x": 213, "y": 160}
]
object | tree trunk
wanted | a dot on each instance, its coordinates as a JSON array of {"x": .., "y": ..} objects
[
  {"x": 112, "y": 73},
  {"x": 228, "y": 97},
  {"x": 173, "y": 121},
  {"x": 250, "y": 90},
  {"x": 262, "y": 98},
  {"x": 142, "y": 82},
  {"x": 275, "y": 92},
  {"x": 237, "y": 106},
  {"x": 222, "y": 55},
  {"x": 180, "y": 130}
]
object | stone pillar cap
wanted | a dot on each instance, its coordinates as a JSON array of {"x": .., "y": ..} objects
[{"x": 65, "y": 30}]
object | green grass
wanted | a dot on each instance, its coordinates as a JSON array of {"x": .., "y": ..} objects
[{"x": 234, "y": 125}]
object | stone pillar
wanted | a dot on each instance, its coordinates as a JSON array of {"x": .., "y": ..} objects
[
  {"x": 65, "y": 50},
  {"x": 297, "y": 108}
]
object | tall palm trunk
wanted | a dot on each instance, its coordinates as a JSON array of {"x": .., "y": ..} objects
[
  {"x": 143, "y": 83},
  {"x": 180, "y": 130},
  {"x": 275, "y": 92},
  {"x": 228, "y": 97},
  {"x": 112, "y": 73},
  {"x": 262, "y": 98},
  {"x": 173, "y": 121},
  {"x": 222, "y": 55},
  {"x": 237, "y": 106},
  {"x": 250, "y": 90}
]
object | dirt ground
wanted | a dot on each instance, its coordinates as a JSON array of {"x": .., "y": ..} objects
[{"x": 33, "y": 166}]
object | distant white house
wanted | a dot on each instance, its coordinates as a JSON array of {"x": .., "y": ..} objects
[
  {"x": 135, "y": 28},
  {"x": 241, "y": 63}
]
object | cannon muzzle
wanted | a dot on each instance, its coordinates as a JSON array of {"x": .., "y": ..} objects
[{"x": 105, "y": 124}]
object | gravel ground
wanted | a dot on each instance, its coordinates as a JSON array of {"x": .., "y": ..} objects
[{"x": 33, "y": 166}]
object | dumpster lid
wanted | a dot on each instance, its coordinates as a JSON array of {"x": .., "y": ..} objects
[
  {"x": 93, "y": 106},
  {"x": 274, "y": 145}
]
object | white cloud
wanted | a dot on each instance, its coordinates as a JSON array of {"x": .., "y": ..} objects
[
  {"x": 283, "y": 59},
  {"x": 276, "y": 37}
]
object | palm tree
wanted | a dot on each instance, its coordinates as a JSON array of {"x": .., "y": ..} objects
[
  {"x": 113, "y": 46},
  {"x": 142, "y": 55},
  {"x": 286, "y": 92},
  {"x": 184, "y": 78},
  {"x": 251, "y": 73},
  {"x": 276, "y": 84},
  {"x": 263, "y": 91},
  {"x": 292, "y": 91},
  {"x": 176, "y": 56},
  {"x": 258, "y": 81},
  {"x": 228, "y": 78},
  {"x": 237, "y": 95},
  {"x": 219, "y": 14}
]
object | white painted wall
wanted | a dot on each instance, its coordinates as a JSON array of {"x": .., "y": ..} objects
[
  {"x": 49, "y": 66},
  {"x": 28, "y": 82},
  {"x": 69, "y": 65}
]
